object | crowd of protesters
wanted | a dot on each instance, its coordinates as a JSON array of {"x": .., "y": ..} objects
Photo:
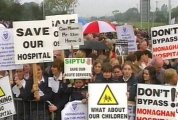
[{"x": 44, "y": 100}]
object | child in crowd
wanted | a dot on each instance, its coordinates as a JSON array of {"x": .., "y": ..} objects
[
  {"x": 78, "y": 91},
  {"x": 107, "y": 73},
  {"x": 116, "y": 73}
]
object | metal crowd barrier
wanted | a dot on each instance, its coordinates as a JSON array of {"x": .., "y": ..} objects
[{"x": 30, "y": 110}]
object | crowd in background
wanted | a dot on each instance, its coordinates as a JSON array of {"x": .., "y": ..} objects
[{"x": 137, "y": 67}]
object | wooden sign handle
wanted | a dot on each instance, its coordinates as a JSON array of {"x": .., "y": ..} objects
[{"x": 35, "y": 82}]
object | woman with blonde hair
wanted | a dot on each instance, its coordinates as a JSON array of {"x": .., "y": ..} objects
[
  {"x": 114, "y": 61},
  {"x": 170, "y": 76},
  {"x": 80, "y": 54}
]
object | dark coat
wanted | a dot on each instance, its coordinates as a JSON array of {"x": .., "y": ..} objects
[
  {"x": 98, "y": 77},
  {"x": 60, "y": 98},
  {"x": 130, "y": 82},
  {"x": 101, "y": 79},
  {"x": 131, "y": 86},
  {"x": 77, "y": 93},
  {"x": 107, "y": 80},
  {"x": 22, "y": 103},
  {"x": 39, "y": 109}
]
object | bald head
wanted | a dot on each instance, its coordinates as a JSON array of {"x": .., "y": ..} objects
[{"x": 157, "y": 62}]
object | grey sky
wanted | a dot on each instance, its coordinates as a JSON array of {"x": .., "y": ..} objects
[
  {"x": 105, "y": 7},
  {"x": 88, "y": 8}
]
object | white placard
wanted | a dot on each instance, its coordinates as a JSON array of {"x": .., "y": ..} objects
[
  {"x": 107, "y": 101},
  {"x": 165, "y": 41},
  {"x": 57, "y": 20},
  {"x": 156, "y": 102},
  {"x": 78, "y": 68},
  {"x": 126, "y": 33},
  {"x": 6, "y": 99},
  {"x": 75, "y": 110},
  {"x": 68, "y": 35},
  {"x": 32, "y": 42},
  {"x": 131, "y": 110},
  {"x": 57, "y": 46},
  {"x": 7, "y": 61}
]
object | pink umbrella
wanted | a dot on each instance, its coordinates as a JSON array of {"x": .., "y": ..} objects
[{"x": 98, "y": 27}]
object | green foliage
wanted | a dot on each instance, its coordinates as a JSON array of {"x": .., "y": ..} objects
[
  {"x": 53, "y": 7},
  {"x": 161, "y": 16},
  {"x": 32, "y": 11},
  {"x": 146, "y": 25},
  {"x": 14, "y": 11},
  {"x": 131, "y": 14},
  {"x": 175, "y": 12},
  {"x": 3, "y": 8}
]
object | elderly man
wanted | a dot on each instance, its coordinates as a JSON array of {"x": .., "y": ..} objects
[{"x": 158, "y": 62}]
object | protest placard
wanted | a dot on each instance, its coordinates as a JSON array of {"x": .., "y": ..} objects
[
  {"x": 57, "y": 46},
  {"x": 126, "y": 34},
  {"x": 7, "y": 61},
  {"x": 78, "y": 68},
  {"x": 155, "y": 102},
  {"x": 70, "y": 34},
  {"x": 56, "y": 21},
  {"x": 32, "y": 42},
  {"x": 6, "y": 99},
  {"x": 75, "y": 110},
  {"x": 107, "y": 101},
  {"x": 165, "y": 41},
  {"x": 131, "y": 110}
]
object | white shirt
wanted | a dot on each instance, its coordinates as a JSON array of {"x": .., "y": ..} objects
[
  {"x": 23, "y": 82},
  {"x": 125, "y": 80},
  {"x": 42, "y": 80},
  {"x": 16, "y": 90},
  {"x": 54, "y": 83},
  {"x": 40, "y": 91}
]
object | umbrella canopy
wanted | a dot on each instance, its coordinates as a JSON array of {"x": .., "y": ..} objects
[
  {"x": 2, "y": 26},
  {"x": 98, "y": 27},
  {"x": 94, "y": 45}
]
